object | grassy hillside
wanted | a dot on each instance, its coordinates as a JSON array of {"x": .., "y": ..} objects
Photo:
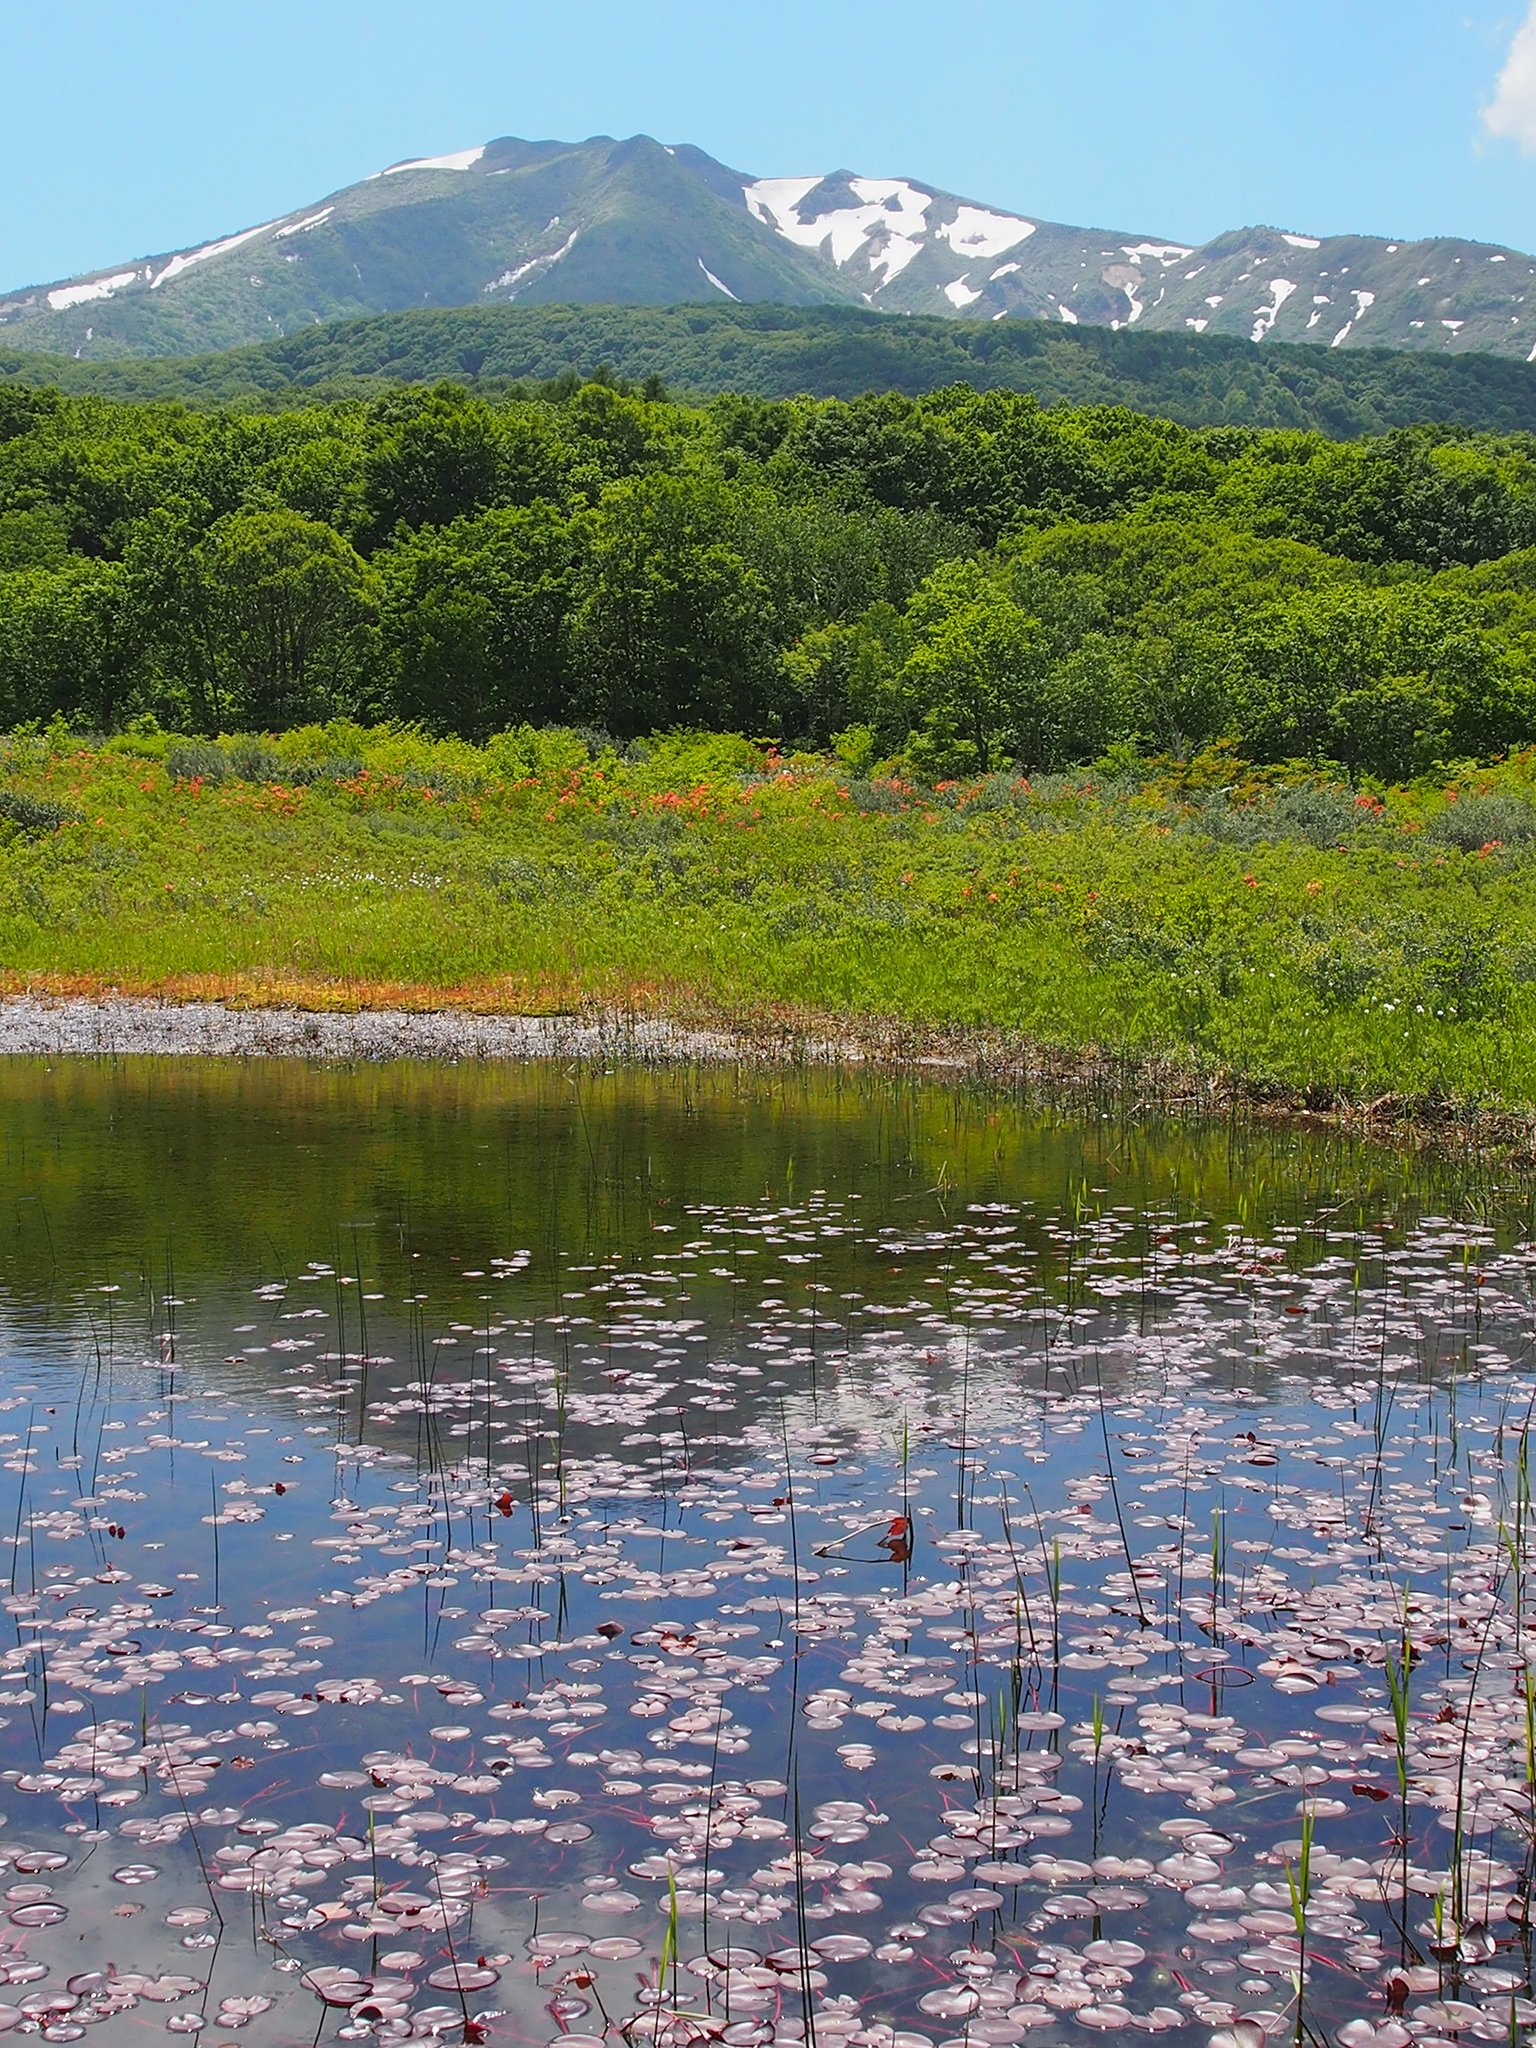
[
  {"x": 1283, "y": 931},
  {"x": 830, "y": 351}
]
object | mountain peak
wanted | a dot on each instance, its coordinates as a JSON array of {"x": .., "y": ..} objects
[{"x": 637, "y": 221}]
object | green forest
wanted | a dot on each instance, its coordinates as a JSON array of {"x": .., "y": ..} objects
[
  {"x": 773, "y": 351},
  {"x": 932, "y": 587}
]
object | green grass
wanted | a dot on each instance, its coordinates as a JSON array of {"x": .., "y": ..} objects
[{"x": 1304, "y": 939}]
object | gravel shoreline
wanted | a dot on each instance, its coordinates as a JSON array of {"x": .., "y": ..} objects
[
  {"x": 124, "y": 1025},
  {"x": 114, "y": 1027}
]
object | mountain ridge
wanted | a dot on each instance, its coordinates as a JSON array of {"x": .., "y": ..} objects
[{"x": 639, "y": 222}]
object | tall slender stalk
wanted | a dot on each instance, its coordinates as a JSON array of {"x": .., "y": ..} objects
[
  {"x": 1114, "y": 1494},
  {"x": 1299, "y": 1882},
  {"x": 1399, "y": 1676}
]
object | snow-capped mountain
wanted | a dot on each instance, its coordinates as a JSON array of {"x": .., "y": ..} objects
[{"x": 637, "y": 222}]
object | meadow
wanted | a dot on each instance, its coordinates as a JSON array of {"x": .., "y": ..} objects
[{"x": 1300, "y": 937}]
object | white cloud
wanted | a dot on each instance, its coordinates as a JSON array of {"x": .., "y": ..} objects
[{"x": 1512, "y": 111}]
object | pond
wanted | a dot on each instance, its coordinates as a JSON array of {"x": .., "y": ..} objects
[{"x": 547, "y": 1555}]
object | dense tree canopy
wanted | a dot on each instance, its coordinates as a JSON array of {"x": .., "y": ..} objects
[
  {"x": 951, "y": 583},
  {"x": 777, "y": 351}
]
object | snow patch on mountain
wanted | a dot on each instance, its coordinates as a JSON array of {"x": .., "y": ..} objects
[
  {"x": 719, "y": 287},
  {"x": 775, "y": 200},
  {"x": 1363, "y": 304},
  {"x": 1130, "y": 279},
  {"x": 1161, "y": 252},
  {"x": 888, "y": 226},
  {"x": 82, "y": 294},
  {"x": 302, "y": 227},
  {"x": 1302, "y": 241},
  {"x": 1280, "y": 289},
  {"x": 178, "y": 264},
  {"x": 459, "y": 160},
  {"x": 893, "y": 256},
  {"x": 511, "y": 279},
  {"x": 975, "y": 232}
]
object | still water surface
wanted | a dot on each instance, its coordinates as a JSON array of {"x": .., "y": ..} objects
[{"x": 543, "y": 1556}]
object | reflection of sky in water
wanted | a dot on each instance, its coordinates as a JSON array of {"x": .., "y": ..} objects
[{"x": 957, "y": 1598}]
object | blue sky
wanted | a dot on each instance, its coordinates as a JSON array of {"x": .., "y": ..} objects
[{"x": 130, "y": 131}]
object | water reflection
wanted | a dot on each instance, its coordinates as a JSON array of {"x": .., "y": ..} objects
[{"x": 549, "y": 1555}]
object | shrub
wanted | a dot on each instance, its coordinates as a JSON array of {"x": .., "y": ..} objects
[
  {"x": 196, "y": 761},
  {"x": 252, "y": 760},
  {"x": 1315, "y": 816},
  {"x": 1478, "y": 821},
  {"x": 333, "y": 768},
  {"x": 33, "y": 815}
]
